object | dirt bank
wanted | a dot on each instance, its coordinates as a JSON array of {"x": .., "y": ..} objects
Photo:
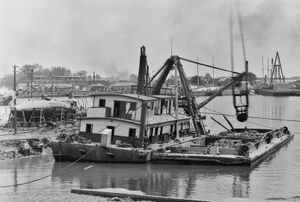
[
  {"x": 10, "y": 149},
  {"x": 30, "y": 141}
]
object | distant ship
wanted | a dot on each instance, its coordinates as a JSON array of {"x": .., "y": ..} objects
[
  {"x": 278, "y": 90},
  {"x": 277, "y": 85}
]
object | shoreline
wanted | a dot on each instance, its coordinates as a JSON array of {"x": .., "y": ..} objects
[{"x": 29, "y": 141}]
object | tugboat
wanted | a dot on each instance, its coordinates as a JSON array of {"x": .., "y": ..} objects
[{"x": 125, "y": 127}]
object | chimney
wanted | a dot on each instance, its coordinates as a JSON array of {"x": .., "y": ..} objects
[{"x": 142, "y": 71}]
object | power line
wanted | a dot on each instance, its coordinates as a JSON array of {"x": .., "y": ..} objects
[{"x": 210, "y": 66}]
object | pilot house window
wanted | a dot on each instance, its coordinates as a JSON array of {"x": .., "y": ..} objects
[
  {"x": 89, "y": 128},
  {"x": 132, "y": 106},
  {"x": 101, "y": 103},
  {"x": 132, "y": 132}
]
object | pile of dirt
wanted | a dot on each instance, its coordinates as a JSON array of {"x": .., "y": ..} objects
[
  {"x": 68, "y": 138},
  {"x": 11, "y": 149}
]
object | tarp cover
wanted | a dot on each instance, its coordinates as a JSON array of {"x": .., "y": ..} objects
[{"x": 41, "y": 104}]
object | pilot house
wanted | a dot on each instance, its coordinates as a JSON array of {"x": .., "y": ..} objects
[{"x": 122, "y": 113}]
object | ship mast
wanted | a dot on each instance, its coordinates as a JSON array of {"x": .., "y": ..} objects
[
  {"x": 277, "y": 73},
  {"x": 176, "y": 104}
]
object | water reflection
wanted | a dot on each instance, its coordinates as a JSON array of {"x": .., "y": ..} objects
[
  {"x": 189, "y": 181},
  {"x": 273, "y": 111},
  {"x": 18, "y": 171},
  {"x": 277, "y": 176}
]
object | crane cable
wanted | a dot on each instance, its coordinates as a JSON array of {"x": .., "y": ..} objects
[
  {"x": 210, "y": 66},
  {"x": 214, "y": 112},
  {"x": 231, "y": 39},
  {"x": 239, "y": 16},
  {"x": 254, "y": 123}
]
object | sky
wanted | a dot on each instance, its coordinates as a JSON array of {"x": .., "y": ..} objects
[{"x": 105, "y": 36}]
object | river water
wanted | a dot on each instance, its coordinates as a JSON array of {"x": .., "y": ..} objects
[{"x": 275, "y": 178}]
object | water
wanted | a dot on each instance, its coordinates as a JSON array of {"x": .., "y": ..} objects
[{"x": 276, "y": 177}]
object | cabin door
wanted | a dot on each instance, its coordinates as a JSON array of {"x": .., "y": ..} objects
[
  {"x": 119, "y": 109},
  {"x": 112, "y": 131}
]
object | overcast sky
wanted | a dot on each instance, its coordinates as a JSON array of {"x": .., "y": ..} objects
[{"x": 105, "y": 36}]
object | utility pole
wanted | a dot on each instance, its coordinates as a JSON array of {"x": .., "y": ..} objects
[
  {"x": 52, "y": 85},
  {"x": 15, "y": 99},
  {"x": 268, "y": 69},
  {"x": 213, "y": 70},
  {"x": 171, "y": 46},
  {"x": 262, "y": 66},
  {"x": 31, "y": 81},
  {"x": 198, "y": 83}
]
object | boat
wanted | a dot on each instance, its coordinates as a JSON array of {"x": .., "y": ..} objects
[
  {"x": 124, "y": 116},
  {"x": 277, "y": 85},
  {"x": 121, "y": 127},
  {"x": 42, "y": 112},
  {"x": 147, "y": 125},
  {"x": 278, "y": 90},
  {"x": 243, "y": 147}
]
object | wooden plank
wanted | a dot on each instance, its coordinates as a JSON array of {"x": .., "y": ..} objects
[{"x": 109, "y": 194}]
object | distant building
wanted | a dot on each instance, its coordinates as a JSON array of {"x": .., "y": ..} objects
[
  {"x": 97, "y": 87},
  {"x": 122, "y": 87}
]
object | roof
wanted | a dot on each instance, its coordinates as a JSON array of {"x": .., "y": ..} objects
[
  {"x": 162, "y": 96},
  {"x": 121, "y": 84},
  {"x": 134, "y": 96},
  {"x": 167, "y": 118},
  {"x": 38, "y": 104},
  {"x": 98, "y": 85}
]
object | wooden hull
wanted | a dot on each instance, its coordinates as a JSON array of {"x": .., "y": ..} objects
[
  {"x": 270, "y": 92},
  {"x": 222, "y": 159},
  {"x": 271, "y": 150},
  {"x": 74, "y": 151},
  {"x": 202, "y": 159}
]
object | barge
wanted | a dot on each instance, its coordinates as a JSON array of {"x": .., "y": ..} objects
[{"x": 245, "y": 147}]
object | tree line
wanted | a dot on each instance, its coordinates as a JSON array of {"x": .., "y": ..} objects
[
  {"x": 208, "y": 80},
  {"x": 24, "y": 74}
]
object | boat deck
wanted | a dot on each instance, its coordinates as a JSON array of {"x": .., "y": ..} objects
[{"x": 255, "y": 156}]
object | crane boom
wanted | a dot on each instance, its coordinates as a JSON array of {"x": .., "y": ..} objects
[{"x": 192, "y": 108}]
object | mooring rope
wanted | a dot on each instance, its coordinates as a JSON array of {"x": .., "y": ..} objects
[
  {"x": 64, "y": 168},
  {"x": 41, "y": 178}
]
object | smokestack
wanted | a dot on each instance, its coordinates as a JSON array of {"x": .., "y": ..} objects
[{"x": 142, "y": 71}]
